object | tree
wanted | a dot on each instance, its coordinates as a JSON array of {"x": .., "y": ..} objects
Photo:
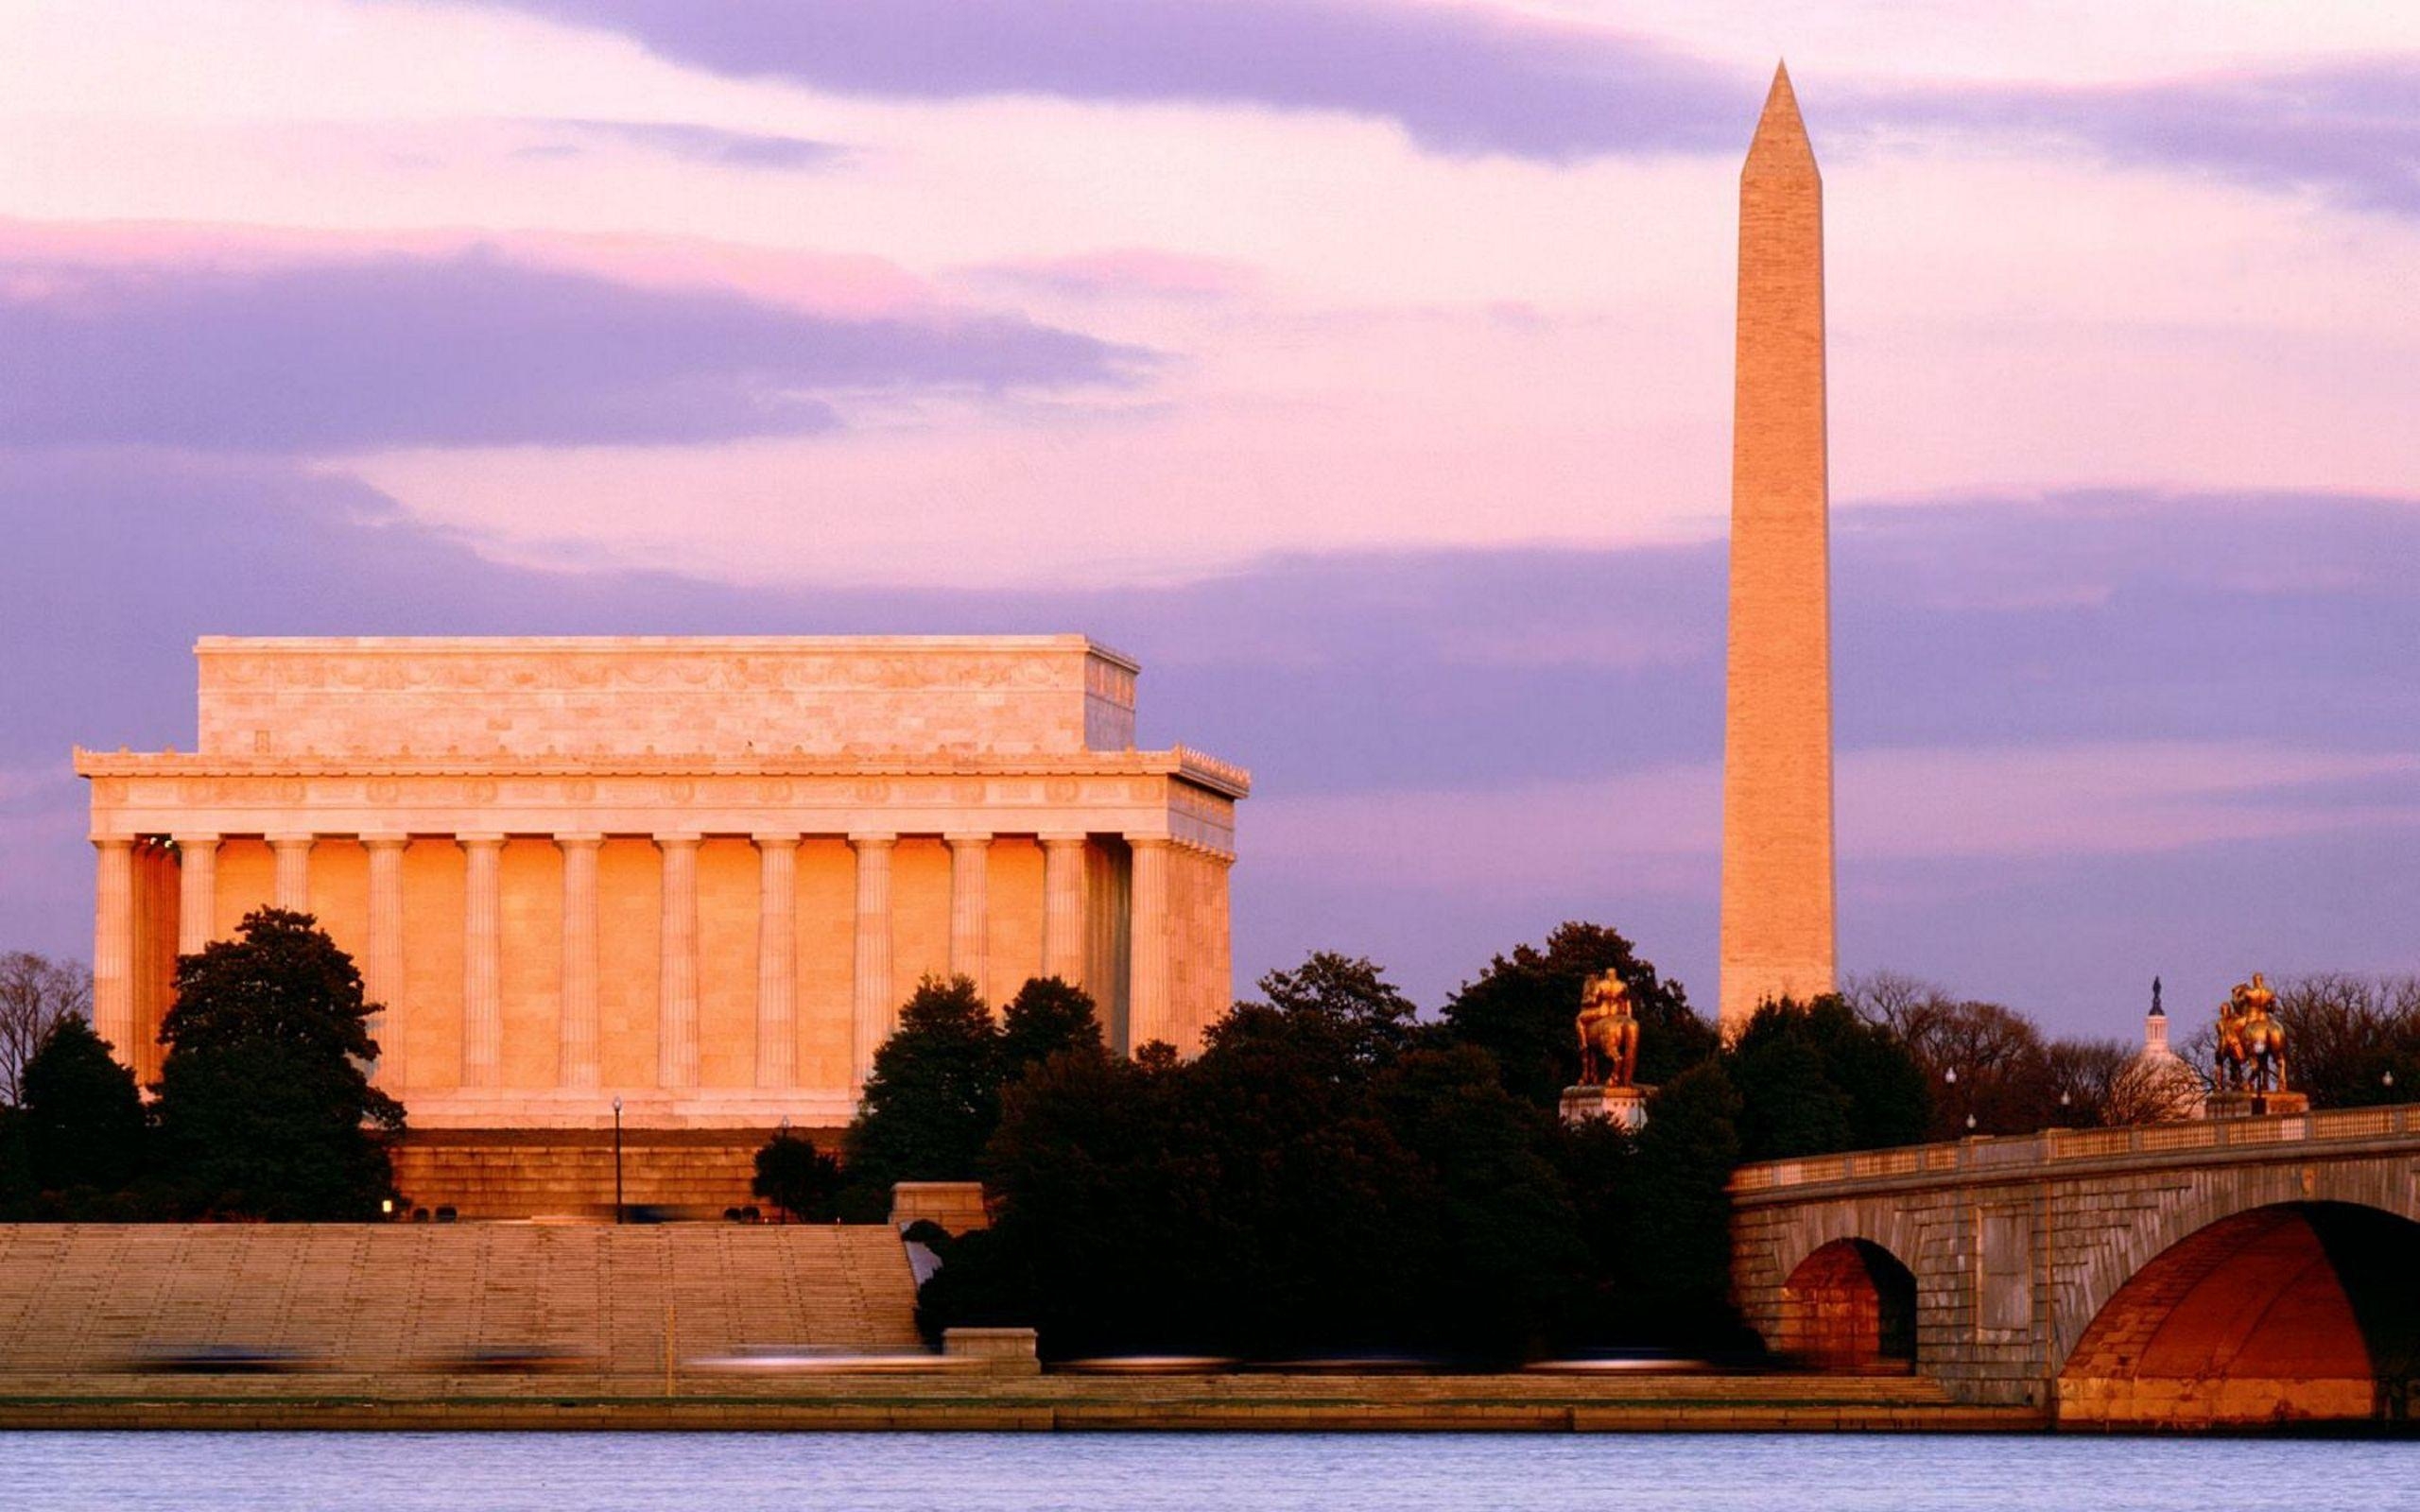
[
  {"x": 795, "y": 1176},
  {"x": 2089, "y": 1082},
  {"x": 1679, "y": 1215},
  {"x": 1520, "y": 1010},
  {"x": 1789, "y": 1105},
  {"x": 36, "y": 995},
  {"x": 81, "y": 1116},
  {"x": 1309, "y": 1211},
  {"x": 1094, "y": 1207},
  {"x": 2138, "y": 1090},
  {"x": 1045, "y": 1018},
  {"x": 1814, "y": 1077},
  {"x": 1506, "y": 1266},
  {"x": 2346, "y": 1035},
  {"x": 2109, "y": 1084},
  {"x": 1316, "y": 1179},
  {"x": 1371, "y": 1021},
  {"x": 263, "y": 1108},
  {"x": 931, "y": 1102},
  {"x": 1982, "y": 1060}
]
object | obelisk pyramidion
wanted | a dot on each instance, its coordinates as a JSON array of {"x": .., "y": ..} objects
[{"x": 1777, "y": 936}]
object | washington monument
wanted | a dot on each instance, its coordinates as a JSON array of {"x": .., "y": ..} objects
[{"x": 1777, "y": 716}]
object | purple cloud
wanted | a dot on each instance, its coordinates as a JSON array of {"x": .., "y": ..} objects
[
  {"x": 2349, "y": 129},
  {"x": 1465, "y": 80},
  {"x": 465, "y": 349},
  {"x": 1458, "y": 78},
  {"x": 1424, "y": 680},
  {"x": 708, "y": 143},
  {"x": 1130, "y": 271}
]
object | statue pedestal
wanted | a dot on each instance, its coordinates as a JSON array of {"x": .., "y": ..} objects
[
  {"x": 2256, "y": 1105},
  {"x": 1625, "y": 1106}
]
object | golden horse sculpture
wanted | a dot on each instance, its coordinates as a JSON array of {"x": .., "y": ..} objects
[
  {"x": 1608, "y": 1032},
  {"x": 2252, "y": 1043}
]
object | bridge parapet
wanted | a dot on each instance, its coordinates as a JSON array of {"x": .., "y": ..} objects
[
  {"x": 2054, "y": 1147},
  {"x": 2003, "y": 1251}
]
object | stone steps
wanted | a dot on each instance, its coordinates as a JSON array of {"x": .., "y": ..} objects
[
  {"x": 80, "y": 1299},
  {"x": 522, "y": 1178}
]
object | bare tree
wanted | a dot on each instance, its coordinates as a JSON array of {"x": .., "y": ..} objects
[
  {"x": 2351, "y": 1040},
  {"x": 2154, "y": 1092},
  {"x": 2085, "y": 1078},
  {"x": 36, "y": 993},
  {"x": 1985, "y": 1062},
  {"x": 1899, "y": 1002}
]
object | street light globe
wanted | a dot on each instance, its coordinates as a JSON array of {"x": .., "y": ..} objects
[{"x": 1950, "y": 1075}]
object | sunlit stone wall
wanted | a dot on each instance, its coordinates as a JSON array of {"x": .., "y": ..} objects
[{"x": 700, "y": 875}]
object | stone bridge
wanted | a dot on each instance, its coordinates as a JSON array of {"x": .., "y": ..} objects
[{"x": 2221, "y": 1272}]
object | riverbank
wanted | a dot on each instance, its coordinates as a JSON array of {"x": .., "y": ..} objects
[{"x": 1274, "y": 1403}]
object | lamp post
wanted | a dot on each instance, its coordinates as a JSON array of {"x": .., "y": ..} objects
[
  {"x": 617, "y": 1159},
  {"x": 784, "y": 1138}
]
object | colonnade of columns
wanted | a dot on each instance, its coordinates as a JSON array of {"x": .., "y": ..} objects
[{"x": 874, "y": 1002}]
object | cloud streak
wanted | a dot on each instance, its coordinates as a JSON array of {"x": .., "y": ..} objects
[
  {"x": 2218, "y": 710},
  {"x": 1134, "y": 271},
  {"x": 1466, "y": 79},
  {"x": 709, "y": 144},
  {"x": 465, "y": 348},
  {"x": 2350, "y": 130},
  {"x": 1459, "y": 79}
]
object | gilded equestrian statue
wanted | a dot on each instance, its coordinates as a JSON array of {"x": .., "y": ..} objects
[
  {"x": 2252, "y": 1043},
  {"x": 1608, "y": 1032}
]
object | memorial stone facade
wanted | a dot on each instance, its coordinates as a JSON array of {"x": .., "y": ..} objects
[{"x": 700, "y": 875}]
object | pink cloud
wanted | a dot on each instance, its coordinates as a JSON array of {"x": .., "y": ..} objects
[
  {"x": 855, "y": 286},
  {"x": 1658, "y": 828},
  {"x": 1126, "y": 270}
]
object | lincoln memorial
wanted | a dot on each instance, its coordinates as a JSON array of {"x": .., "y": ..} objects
[{"x": 698, "y": 875}]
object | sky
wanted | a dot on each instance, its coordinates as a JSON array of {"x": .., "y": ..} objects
[{"x": 1362, "y": 366}]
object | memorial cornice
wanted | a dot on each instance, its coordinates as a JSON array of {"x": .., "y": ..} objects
[
  {"x": 1178, "y": 794},
  {"x": 1192, "y": 765},
  {"x": 441, "y": 665}
]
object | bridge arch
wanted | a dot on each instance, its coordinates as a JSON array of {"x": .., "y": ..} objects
[
  {"x": 2117, "y": 1255},
  {"x": 2299, "y": 1309},
  {"x": 1850, "y": 1305},
  {"x": 1836, "y": 1264}
]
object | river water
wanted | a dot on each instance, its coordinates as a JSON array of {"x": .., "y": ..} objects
[{"x": 975, "y": 1472}]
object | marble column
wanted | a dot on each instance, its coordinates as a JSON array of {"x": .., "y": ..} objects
[
  {"x": 197, "y": 892},
  {"x": 382, "y": 976},
  {"x": 292, "y": 888},
  {"x": 150, "y": 907},
  {"x": 776, "y": 960},
  {"x": 677, "y": 995},
  {"x": 482, "y": 960},
  {"x": 1146, "y": 993},
  {"x": 970, "y": 912},
  {"x": 875, "y": 1011},
  {"x": 113, "y": 947},
  {"x": 1063, "y": 907},
  {"x": 579, "y": 1053}
]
